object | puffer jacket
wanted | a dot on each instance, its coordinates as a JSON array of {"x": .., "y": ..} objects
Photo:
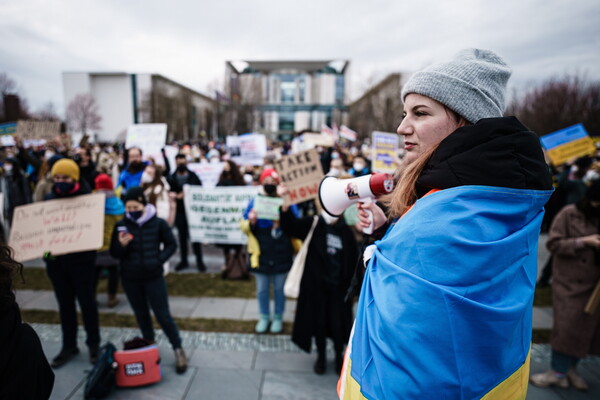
[{"x": 152, "y": 245}]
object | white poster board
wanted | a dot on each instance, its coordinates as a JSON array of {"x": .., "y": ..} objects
[
  {"x": 150, "y": 138},
  {"x": 267, "y": 207},
  {"x": 59, "y": 226},
  {"x": 214, "y": 214},
  {"x": 208, "y": 173},
  {"x": 249, "y": 149}
]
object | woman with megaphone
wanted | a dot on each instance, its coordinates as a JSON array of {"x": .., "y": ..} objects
[{"x": 446, "y": 302}]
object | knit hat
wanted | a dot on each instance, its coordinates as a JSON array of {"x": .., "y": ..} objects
[
  {"x": 135, "y": 194},
  {"x": 103, "y": 182},
  {"x": 473, "y": 84},
  {"x": 66, "y": 166},
  {"x": 269, "y": 172}
]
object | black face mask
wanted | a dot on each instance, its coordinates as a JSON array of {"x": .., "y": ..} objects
[
  {"x": 135, "y": 215},
  {"x": 270, "y": 189},
  {"x": 181, "y": 168},
  {"x": 64, "y": 187},
  {"x": 136, "y": 166}
]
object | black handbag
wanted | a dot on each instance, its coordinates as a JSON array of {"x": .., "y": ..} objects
[{"x": 101, "y": 379}]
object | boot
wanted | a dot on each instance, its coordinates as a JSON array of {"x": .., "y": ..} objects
[
  {"x": 113, "y": 301},
  {"x": 180, "y": 361},
  {"x": 262, "y": 324},
  {"x": 94, "y": 350},
  {"x": 319, "y": 366},
  {"x": 64, "y": 357},
  {"x": 277, "y": 324}
]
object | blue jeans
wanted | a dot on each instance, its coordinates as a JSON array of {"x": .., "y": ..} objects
[
  {"x": 153, "y": 293},
  {"x": 563, "y": 362},
  {"x": 263, "y": 283}
]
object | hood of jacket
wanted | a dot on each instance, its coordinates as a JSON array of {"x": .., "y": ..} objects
[
  {"x": 149, "y": 213},
  {"x": 499, "y": 152}
]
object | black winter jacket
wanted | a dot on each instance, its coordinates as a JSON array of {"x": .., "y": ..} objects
[{"x": 143, "y": 258}]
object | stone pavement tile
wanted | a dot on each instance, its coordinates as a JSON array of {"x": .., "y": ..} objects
[
  {"x": 45, "y": 301},
  {"x": 25, "y": 296},
  {"x": 542, "y": 318},
  {"x": 182, "y": 307},
  {"x": 282, "y": 385},
  {"x": 251, "y": 311},
  {"x": 213, "y": 307},
  {"x": 69, "y": 377},
  {"x": 300, "y": 362},
  {"x": 231, "y": 384},
  {"x": 242, "y": 360}
]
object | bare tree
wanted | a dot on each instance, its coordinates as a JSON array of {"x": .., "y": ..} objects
[
  {"x": 7, "y": 84},
  {"x": 83, "y": 114},
  {"x": 47, "y": 113},
  {"x": 558, "y": 103}
]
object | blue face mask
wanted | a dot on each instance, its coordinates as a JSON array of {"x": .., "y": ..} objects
[
  {"x": 135, "y": 215},
  {"x": 64, "y": 187}
]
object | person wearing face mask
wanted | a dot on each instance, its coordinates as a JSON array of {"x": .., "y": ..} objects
[
  {"x": 87, "y": 168},
  {"x": 574, "y": 241},
  {"x": 45, "y": 183},
  {"x": 15, "y": 187},
  {"x": 131, "y": 175},
  {"x": 321, "y": 311},
  {"x": 359, "y": 167},
  {"x": 183, "y": 176},
  {"x": 271, "y": 255},
  {"x": 73, "y": 275},
  {"x": 142, "y": 243}
]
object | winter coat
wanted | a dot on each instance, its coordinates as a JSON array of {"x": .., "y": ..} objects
[
  {"x": 152, "y": 245},
  {"x": 16, "y": 193},
  {"x": 24, "y": 369},
  {"x": 338, "y": 239},
  {"x": 575, "y": 275},
  {"x": 177, "y": 187}
]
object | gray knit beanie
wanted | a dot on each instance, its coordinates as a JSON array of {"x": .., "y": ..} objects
[{"x": 473, "y": 84}]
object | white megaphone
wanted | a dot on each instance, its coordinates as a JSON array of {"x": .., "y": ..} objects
[{"x": 338, "y": 194}]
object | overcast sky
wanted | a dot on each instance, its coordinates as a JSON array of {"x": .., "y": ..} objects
[{"x": 189, "y": 41}]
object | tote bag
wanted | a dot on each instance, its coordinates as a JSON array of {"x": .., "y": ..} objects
[{"x": 291, "y": 287}]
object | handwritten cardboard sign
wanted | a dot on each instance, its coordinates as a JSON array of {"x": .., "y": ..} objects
[
  {"x": 302, "y": 173},
  {"x": 58, "y": 226},
  {"x": 214, "y": 214},
  {"x": 385, "y": 149},
  {"x": 267, "y": 207},
  {"x": 38, "y": 130},
  {"x": 150, "y": 138}
]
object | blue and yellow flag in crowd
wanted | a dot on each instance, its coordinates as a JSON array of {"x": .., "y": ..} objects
[{"x": 446, "y": 304}]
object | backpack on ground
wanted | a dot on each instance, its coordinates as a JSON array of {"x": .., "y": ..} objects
[{"x": 101, "y": 379}]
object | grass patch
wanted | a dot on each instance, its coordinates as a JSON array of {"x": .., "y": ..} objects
[
  {"x": 543, "y": 297},
  {"x": 541, "y": 336},
  {"x": 186, "y": 285},
  {"x": 128, "y": 321}
]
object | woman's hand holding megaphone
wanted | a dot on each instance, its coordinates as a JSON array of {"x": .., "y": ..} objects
[{"x": 364, "y": 217}]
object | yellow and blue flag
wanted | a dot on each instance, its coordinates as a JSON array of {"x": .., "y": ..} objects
[{"x": 446, "y": 303}]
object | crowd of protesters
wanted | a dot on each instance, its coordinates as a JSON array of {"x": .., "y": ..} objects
[{"x": 145, "y": 195}]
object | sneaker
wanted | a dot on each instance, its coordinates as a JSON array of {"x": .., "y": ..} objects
[
  {"x": 64, "y": 357},
  {"x": 262, "y": 324},
  {"x": 277, "y": 324},
  {"x": 181, "y": 265},
  {"x": 113, "y": 301},
  {"x": 549, "y": 378},
  {"x": 576, "y": 380},
  {"x": 180, "y": 361}
]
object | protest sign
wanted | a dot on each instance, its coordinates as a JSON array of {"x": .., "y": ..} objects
[
  {"x": 302, "y": 173},
  {"x": 568, "y": 143},
  {"x": 150, "y": 138},
  {"x": 208, "y": 173},
  {"x": 7, "y": 134},
  {"x": 214, "y": 214},
  {"x": 385, "y": 150},
  {"x": 38, "y": 130},
  {"x": 58, "y": 226},
  {"x": 247, "y": 149},
  {"x": 267, "y": 207}
]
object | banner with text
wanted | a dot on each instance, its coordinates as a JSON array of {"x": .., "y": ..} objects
[
  {"x": 249, "y": 149},
  {"x": 209, "y": 173},
  {"x": 151, "y": 138},
  {"x": 58, "y": 226},
  {"x": 302, "y": 173},
  {"x": 214, "y": 214},
  {"x": 38, "y": 130},
  {"x": 568, "y": 143},
  {"x": 385, "y": 150}
]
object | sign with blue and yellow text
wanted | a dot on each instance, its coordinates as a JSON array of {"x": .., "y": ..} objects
[{"x": 568, "y": 143}]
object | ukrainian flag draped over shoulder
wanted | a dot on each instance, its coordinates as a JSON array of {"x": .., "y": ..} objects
[{"x": 446, "y": 304}]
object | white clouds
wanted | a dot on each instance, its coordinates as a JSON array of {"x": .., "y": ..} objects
[{"x": 189, "y": 41}]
